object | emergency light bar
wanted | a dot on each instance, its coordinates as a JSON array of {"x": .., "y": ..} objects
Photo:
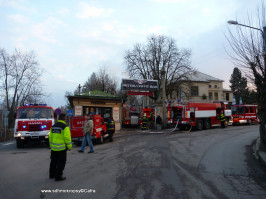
[{"x": 35, "y": 104}]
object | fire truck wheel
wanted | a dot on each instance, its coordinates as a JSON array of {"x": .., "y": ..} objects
[
  {"x": 199, "y": 124},
  {"x": 207, "y": 123},
  {"x": 20, "y": 144}
]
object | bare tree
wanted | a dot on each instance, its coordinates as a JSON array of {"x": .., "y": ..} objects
[
  {"x": 145, "y": 61},
  {"x": 20, "y": 77},
  {"x": 102, "y": 80},
  {"x": 248, "y": 54}
]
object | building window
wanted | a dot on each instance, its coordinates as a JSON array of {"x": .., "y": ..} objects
[
  {"x": 210, "y": 96},
  {"x": 194, "y": 91},
  {"x": 215, "y": 86},
  {"x": 210, "y": 86},
  {"x": 103, "y": 111},
  {"x": 216, "y": 96},
  {"x": 227, "y": 96}
]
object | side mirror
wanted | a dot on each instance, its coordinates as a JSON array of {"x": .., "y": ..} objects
[{"x": 15, "y": 115}]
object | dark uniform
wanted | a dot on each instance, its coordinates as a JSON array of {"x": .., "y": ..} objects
[
  {"x": 159, "y": 122},
  {"x": 110, "y": 128},
  {"x": 60, "y": 142}
]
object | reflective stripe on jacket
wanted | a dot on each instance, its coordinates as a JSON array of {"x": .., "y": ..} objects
[
  {"x": 110, "y": 125},
  {"x": 221, "y": 117},
  {"x": 60, "y": 137},
  {"x": 144, "y": 120}
]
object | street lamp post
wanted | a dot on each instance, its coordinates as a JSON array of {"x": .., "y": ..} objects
[{"x": 263, "y": 32}]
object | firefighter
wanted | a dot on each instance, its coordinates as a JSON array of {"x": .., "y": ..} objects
[
  {"x": 144, "y": 122},
  {"x": 60, "y": 142},
  {"x": 110, "y": 128},
  {"x": 222, "y": 119}
]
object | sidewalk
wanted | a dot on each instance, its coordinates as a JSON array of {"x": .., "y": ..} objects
[{"x": 261, "y": 155}]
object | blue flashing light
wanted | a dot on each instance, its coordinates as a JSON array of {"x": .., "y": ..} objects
[
  {"x": 24, "y": 126},
  {"x": 44, "y": 126}
]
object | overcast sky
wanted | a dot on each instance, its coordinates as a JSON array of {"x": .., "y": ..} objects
[{"x": 73, "y": 38}]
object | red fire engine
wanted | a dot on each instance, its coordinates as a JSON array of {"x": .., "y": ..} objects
[
  {"x": 33, "y": 123},
  {"x": 147, "y": 111},
  {"x": 99, "y": 129},
  {"x": 198, "y": 115},
  {"x": 130, "y": 116},
  {"x": 244, "y": 114},
  {"x": 149, "y": 114}
]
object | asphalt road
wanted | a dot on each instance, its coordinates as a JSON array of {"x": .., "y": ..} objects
[{"x": 215, "y": 163}]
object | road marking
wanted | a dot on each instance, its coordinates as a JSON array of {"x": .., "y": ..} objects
[
  {"x": 8, "y": 143},
  {"x": 155, "y": 132}
]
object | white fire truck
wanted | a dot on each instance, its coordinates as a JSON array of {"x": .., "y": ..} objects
[
  {"x": 33, "y": 123},
  {"x": 244, "y": 114},
  {"x": 198, "y": 115}
]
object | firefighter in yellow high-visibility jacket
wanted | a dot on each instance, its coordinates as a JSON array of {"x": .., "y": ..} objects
[
  {"x": 222, "y": 119},
  {"x": 60, "y": 142}
]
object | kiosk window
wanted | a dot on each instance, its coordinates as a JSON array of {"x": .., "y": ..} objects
[{"x": 103, "y": 111}]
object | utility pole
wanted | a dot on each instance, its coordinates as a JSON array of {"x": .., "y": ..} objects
[
  {"x": 164, "y": 98},
  {"x": 79, "y": 88}
]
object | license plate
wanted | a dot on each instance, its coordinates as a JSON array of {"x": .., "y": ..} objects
[{"x": 35, "y": 134}]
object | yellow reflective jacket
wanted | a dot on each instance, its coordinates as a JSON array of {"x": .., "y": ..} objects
[
  {"x": 221, "y": 117},
  {"x": 60, "y": 137}
]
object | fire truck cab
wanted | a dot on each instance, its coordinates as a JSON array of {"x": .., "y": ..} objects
[
  {"x": 198, "y": 115},
  {"x": 244, "y": 114},
  {"x": 33, "y": 123},
  {"x": 99, "y": 128}
]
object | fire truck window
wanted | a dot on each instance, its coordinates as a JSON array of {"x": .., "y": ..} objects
[
  {"x": 251, "y": 110},
  {"x": 233, "y": 110},
  {"x": 26, "y": 113},
  {"x": 177, "y": 113},
  {"x": 246, "y": 110},
  {"x": 240, "y": 110}
]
